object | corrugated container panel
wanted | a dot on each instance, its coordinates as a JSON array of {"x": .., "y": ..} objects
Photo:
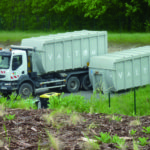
[
  {"x": 66, "y": 51},
  {"x": 121, "y": 70}
]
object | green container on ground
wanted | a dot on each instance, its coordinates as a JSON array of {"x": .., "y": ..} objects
[{"x": 120, "y": 70}]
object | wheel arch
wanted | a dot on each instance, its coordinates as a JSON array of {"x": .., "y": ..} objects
[{"x": 26, "y": 79}]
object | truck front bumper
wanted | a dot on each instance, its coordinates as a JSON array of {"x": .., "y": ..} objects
[{"x": 6, "y": 86}]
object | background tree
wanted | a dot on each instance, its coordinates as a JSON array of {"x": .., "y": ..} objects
[{"x": 112, "y": 15}]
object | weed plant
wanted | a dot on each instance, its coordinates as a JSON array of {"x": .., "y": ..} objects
[
  {"x": 10, "y": 117},
  {"x": 132, "y": 132},
  {"x": 117, "y": 118},
  {"x": 146, "y": 129},
  {"x": 53, "y": 142},
  {"x": 143, "y": 141},
  {"x": 106, "y": 138},
  {"x": 15, "y": 101}
]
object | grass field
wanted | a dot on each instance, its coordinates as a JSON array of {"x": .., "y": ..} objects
[
  {"x": 133, "y": 38},
  {"x": 16, "y": 36}
]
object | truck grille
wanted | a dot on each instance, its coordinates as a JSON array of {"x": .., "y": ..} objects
[{"x": 2, "y": 76}]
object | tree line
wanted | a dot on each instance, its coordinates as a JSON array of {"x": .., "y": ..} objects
[{"x": 111, "y": 15}]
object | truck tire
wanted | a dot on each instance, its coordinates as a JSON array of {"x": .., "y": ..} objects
[
  {"x": 25, "y": 90},
  {"x": 73, "y": 84},
  {"x": 85, "y": 83}
]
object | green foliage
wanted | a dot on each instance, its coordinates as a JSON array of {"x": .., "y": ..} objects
[
  {"x": 146, "y": 129},
  {"x": 90, "y": 14},
  {"x": 10, "y": 117},
  {"x": 132, "y": 132},
  {"x": 118, "y": 140},
  {"x": 17, "y": 102},
  {"x": 142, "y": 141},
  {"x": 120, "y": 104},
  {"x": 72, "y": 103},
  {"x": 117, "y": 118},
  {"x": 104, "y": 137}
]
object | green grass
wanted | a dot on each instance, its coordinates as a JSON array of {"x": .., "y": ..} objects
[
  {"x": 17, "y": 36},
  {"x": 120, "y": 104},
  {"x": 118, "y": 38},
  {"x": 17, "y": 102},
  {"x": 129, "y": 38}
]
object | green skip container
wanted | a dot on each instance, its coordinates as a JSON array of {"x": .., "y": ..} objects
[{"x": 120, "y": 70}]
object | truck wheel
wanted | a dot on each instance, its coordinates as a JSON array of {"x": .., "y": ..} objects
[
  {"x": 25, "y": 90},
  {"x": 73, "y": 84},
  {"x": 85, "y": 82}
]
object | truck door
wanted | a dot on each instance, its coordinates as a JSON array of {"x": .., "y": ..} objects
[{"x": 19, "y": 66}]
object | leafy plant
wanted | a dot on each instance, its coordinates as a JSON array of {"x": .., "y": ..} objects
[
  {"x": 3, "y": 100},
  {"x": 17, "y": 102},
  {"x": 117, "y": 118},
  {"x": 117, "y": 139},
  {"x": 132, "y": 132},
  {"x": 104, "y": 137},
  {"x": 10, "y": 117},
  {"x": 143, "y": 141},
  {"x": 146, "y": 129}
]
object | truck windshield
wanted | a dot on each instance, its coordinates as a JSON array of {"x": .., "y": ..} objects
[{"x": 4, "y": 62}]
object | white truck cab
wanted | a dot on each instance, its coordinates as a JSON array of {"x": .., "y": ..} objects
[
  {"x": 16, "y": 73},
  {"x": 13, "y": 65}
]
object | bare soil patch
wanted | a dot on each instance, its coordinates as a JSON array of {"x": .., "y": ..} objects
[
  {"x": 29, "y": 130},
  {"x": 112, "y": 47}
]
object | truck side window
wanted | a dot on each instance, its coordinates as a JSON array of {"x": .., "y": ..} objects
[{"x": 17, "y": 62}]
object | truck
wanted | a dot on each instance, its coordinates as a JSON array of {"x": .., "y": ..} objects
[{"x": 48, "y": 62}]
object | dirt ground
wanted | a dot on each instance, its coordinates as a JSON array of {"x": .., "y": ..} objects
[{"x": 29, "y": 130}]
